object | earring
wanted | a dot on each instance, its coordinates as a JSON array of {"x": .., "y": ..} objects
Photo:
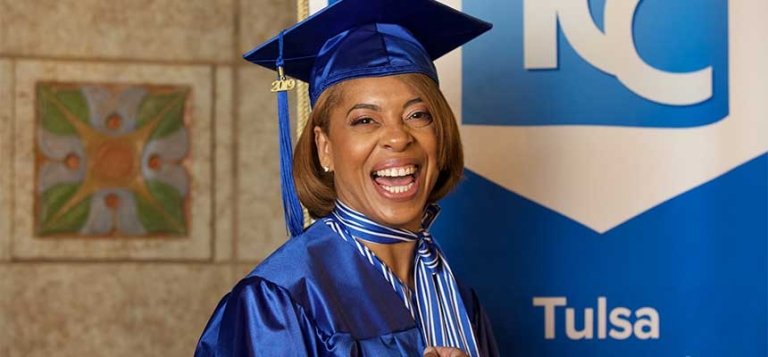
[{"x": 326, "y": 169}]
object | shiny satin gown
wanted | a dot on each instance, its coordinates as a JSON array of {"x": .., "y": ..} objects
[{"x": 317, "y": 296}]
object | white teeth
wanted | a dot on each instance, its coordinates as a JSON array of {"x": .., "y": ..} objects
[
  {"x": 397, "y": 171},
  {"x": 398, "y": 189}
]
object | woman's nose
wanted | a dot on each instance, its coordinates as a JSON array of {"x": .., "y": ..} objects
[{"x": 396, "y": 137}]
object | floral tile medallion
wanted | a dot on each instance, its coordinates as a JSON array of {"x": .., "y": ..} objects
[{"x": 111, "y": 160}]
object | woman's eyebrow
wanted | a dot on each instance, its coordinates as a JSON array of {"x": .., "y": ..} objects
[
  {"x": 364, "y": 106},
  {"x": 412, "y": 102}
]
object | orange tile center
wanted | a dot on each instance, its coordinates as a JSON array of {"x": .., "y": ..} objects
[{"x": 115, "y": 163}]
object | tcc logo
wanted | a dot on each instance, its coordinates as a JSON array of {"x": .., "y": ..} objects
[
  {"x": 656, "y": 63},
  {"x": 612, "y": 51}
]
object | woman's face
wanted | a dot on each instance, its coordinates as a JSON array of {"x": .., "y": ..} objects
[{"x": 382, "y": 147}]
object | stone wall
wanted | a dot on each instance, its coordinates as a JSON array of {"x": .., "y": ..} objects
[{"x": 85, "y": 269}]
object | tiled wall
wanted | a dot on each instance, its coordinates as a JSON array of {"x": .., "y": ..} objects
[{"x": 71, "y": 294}]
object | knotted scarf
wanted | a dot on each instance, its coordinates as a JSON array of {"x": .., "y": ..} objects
[{"x": 439, "y": 311}]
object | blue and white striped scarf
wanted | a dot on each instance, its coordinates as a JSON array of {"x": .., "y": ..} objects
[{"x": 439, "y": 309}]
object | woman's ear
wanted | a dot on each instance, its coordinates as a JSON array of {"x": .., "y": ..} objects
[{"x": 324, "y": 149}]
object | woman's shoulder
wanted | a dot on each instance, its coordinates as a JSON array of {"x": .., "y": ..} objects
[
  {"x": 331, "y": 282},
  {"x": 299, "y": 257},
  {"x": 310, "y": 267},
  {"x": 259, "y": 317}
]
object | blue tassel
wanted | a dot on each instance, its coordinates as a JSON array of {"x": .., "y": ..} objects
[{"x": 294, "y": 215}]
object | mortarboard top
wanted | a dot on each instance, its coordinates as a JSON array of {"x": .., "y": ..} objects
[
  {"x": 349, "y": 37},
  {"x": 352, "y": 39}
]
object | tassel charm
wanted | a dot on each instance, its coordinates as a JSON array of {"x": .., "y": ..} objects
[{"x": 282, "y": 84}]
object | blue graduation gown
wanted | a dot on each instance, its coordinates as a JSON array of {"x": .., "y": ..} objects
[{"x": 317, "y": 296}]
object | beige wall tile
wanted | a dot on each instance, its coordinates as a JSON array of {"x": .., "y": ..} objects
[
  {"x": 6, "y": 304},
  {"x": 261, "y": 228},
  {"x": 241, "y": 270},
  {"x": 197, "y": 246},
  {"x": 223, "y": 171},
  {"x": 188, "y": 30},
  {"x": 6, "y": 147},
  {"x": 262, "y": 20},
  {"x": 3, "y": 27},
  {"x": 107, "y": 309}
]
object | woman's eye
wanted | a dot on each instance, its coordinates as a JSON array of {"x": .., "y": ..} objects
[
  {"x": 419, "y": 119},
  {"x": 362, "y": 121}
]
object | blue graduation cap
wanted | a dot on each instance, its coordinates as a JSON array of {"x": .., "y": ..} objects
[{"x": 352, "y": 39}]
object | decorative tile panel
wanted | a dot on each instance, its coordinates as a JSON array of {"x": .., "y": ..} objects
[{"x": 112, "y": 161}]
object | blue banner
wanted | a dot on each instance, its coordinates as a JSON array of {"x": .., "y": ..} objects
[{"x": 616, "y": 193}]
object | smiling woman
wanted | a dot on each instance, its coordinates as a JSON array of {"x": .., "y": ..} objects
[
  {"x": 380, "y": 148},
  {"x": 423, "y": 119},
  {"x": 381, "y": 145}
]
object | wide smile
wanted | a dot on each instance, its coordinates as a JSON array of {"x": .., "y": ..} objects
[{"x": 397, "y": 183}]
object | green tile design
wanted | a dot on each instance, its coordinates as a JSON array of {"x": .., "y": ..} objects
[{"x": 112, "y": 160}]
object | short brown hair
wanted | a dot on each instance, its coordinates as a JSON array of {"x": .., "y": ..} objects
[{"x": 316, "y": 188}]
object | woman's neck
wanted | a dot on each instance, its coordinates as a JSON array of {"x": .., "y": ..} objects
[{"x": 398, "y": 257}]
